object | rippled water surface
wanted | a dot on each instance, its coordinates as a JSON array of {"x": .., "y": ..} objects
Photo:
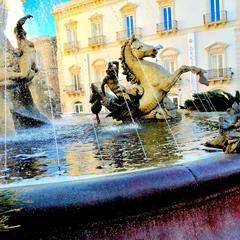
[{"x": 85, "y": 149}]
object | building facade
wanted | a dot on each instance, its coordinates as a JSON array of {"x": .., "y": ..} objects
[
  {"x": 45, "y": 86},
  {"x": 90, "y": 33}
]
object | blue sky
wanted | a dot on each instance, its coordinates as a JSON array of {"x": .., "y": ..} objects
[{"x": 43, "y": 22}]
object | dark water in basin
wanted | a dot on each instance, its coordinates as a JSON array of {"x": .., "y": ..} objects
[{"x": 85, "y": 149}]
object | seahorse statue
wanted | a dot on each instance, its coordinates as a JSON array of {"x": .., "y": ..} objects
[{"x": 150, "y": 79}]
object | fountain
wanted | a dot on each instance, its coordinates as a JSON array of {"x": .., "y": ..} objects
[{"x": 152, "y": 176}]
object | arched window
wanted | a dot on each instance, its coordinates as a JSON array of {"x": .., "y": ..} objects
[
  {"x": 78, "y": 107},
  {"x": 71, "y": 31},
  {"x": 168, "y": 58},
  {"x": 75, "y": 78},
  {"x": 99, "y": 67}
]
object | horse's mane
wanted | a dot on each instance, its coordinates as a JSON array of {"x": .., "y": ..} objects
[{"x": 126, "y": 71}]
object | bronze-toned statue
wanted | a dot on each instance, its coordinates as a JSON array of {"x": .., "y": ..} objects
[
  {"x": 150, "y": 83},
  {"x": 111, "y": 80}
]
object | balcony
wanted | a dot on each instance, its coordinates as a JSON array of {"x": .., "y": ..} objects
[
  {"x": 123, "y": 35},
  {"x": 220, "y": 75},
  {"x": 215, "y": 19},
  {"x": 71, "y": 47},
  {"x": 167, "y": 27},
  {"x": 74, "y": 90},
  {"x": 96, "y": 41}
]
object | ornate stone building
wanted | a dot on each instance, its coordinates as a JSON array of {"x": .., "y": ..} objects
[
  {"x": 45, "y": 86},
  {"x": 203, "y": 33}
]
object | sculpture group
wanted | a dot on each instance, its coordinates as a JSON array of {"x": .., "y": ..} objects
[
  {"x": 17, "y": 70},
  {"x": 146, "y": 98}
]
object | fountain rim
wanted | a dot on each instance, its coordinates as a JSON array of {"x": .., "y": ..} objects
[{"x": 135, "y": 192}]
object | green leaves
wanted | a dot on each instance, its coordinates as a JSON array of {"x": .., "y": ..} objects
[{"x": 217, "y": 100}]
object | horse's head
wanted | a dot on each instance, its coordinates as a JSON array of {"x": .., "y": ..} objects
[{"x": 141, "y": 50}]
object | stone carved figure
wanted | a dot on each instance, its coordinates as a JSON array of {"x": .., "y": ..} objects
[
  {"x": 17, "y": 69},
  {"x": 229, "y": 132},
  {"x": 150, "y": 83},
  {"x": 27, "y": 52},
  {"x": 111, "y": 80}
]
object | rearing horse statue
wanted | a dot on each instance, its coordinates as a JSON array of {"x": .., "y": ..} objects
[{"x": 150, "y": 84}]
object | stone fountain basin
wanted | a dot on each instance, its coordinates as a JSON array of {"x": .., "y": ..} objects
[{"x": 103, "y": 207}]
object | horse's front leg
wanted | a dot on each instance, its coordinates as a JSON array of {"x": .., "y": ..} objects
[
  {"x": 197, "y": 70},
  {"x": 180, "y": 71},
  {"x": 200, "y": 72}
]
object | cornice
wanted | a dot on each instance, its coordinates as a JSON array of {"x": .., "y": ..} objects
[
  {"x": 71, "y": 23},
  {"x": 96, "y": 17},
  {"x": 77, "y": 6},
  {"x": 128, "y": 7},
  {"x": 164, "y": 2}
]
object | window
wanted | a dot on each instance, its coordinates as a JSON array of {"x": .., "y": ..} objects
[
  {"x": 169, "y": 65},
  {"x": 217, "y": 65},
  {"x": 97, "y": 38},
  {"x": 96, "y": 24},
  {"x": 175, "y": 101},
  {"x": 76, "y": 82},
  {"x": 99, "y": 75},
  {"x": 217, "y": 62},
  {"x": 71, "y": 31},
  {"x": 174, "y": 98},
  {"x": 129, "y": 25},
  {"x": 78, "y": 107},
  {"x": 215, "y": 10},
  {"x": 128, "y": 12},
  {"x": 167, "y": 18},
  {"x": 96, "y": 29},
  {"x": 168, "y": 58},
  {"x": 167, "y": 24},
  {"x": 99, "y": 67},
  {"x": 71, "y": 35}
]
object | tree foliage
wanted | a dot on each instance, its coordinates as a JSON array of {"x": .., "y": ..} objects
[{"x": 211, "y": 101}]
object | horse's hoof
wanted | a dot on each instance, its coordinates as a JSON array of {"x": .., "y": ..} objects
[{"x": 203, "y": 80}]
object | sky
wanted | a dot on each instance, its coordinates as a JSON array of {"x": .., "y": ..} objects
[{"x": 43, "y": 22}]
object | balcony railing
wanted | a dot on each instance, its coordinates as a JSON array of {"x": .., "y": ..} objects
[
  {"x": 220, "y": 74},
  {"x": 122, "y": 35},
  {"x": 96, "y": 41},
  {"x": 215, "y": 18},
  {"x": 167, "y": 27},
  {"x": 71, "y": 46},
  {"x": 72, "y": 89}
]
